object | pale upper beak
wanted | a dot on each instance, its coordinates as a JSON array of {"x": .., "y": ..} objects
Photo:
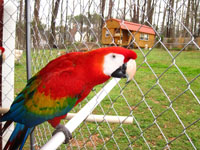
[{"x": 127, "y": 70}]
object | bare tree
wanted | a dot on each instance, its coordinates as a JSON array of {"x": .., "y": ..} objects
[
  {"x": 21, "y": 10},
  {"x": 66, "y": 22},
  {"x": 103, "y": 2},
  {"x": 102, "y": 15},
  {"x": 187, "y": 19},
  {"x": 143, "y": 10},
  {"x": 159, "y": 11},
  {"x": 89, "y": 18},
  {"x": 134, "y": 13},
  {"x": 81, "y": 22},
  {"x": 138, "y": 11},
  {"x": 192, "y": 18},
  {"x": 36, "y": 24},
  {"x": 61, "y": 35},
  {"x": 72, "y": 28},
  {"x": 170, "y": 20},
  {"x": 131, "y": 9},
  {"x": 110, "y": 9},
  {"x": 196, "y": 8},
  {"x": 181, "y": 34},
  {"x": 163, "y": 21},
  {"x": 124, "y": 13},
  {"x": 19, "y": 33},
  {"x": 154, "y": 5},
  {"x": 52, "y": 37},
  {"x": 118, "y": 12},
  {"x": 150, "y": 11},
  {"x": 176, "y": 27}
]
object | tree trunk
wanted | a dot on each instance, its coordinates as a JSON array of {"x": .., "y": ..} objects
[
  {"x": 143, "y": 10},
  {"x": 124, "y": 14},
  {"x": 170, "y": 28},
  {"x": 20, "y": 36},
  {"x": 102, "y": 19},
  {"x": 154, "y": 14},
  {"x": 66, "y": 21},
  {"x": 182, "y": 20},
  {"x": 157, "y": 24},
  {"x": 177, "y": 26},
  {"x": 192, "y": 19},
  {"x": 110, "y": 9},
  {"x": 195, "y": 16},
  {"x": 163, "y": 21},
  {"x": 81, "y": 22},
  {"x": 102, "y": 11},
  {"x": 72, "y": 27},
  {"x": 134, "y": 14},
  {"x": 187, "y": 19},
  {"x": 52, "y": 37},
  {"x": 138, "y": 11},
  {"x": 36, "y": 24},
  {"x": 131, "y": 15},
  {"x": 61, "y": 35},
  {"x": 174, "y": 25},
  {"x": 118, "y": 12},
  {"x": 135, "y": 10},
  {"x": 89, "y": 18},
  {"x": 149, "y": 11}
]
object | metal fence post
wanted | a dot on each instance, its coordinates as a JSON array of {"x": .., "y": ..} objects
[
  {"x": 28, "y": 53},
  {"x": 1, "y": 44}
]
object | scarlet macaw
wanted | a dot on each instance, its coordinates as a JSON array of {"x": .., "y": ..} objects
[{"x": 61, "y": 85}]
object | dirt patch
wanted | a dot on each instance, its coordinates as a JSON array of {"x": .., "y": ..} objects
[{"x": 88, "y": 142}]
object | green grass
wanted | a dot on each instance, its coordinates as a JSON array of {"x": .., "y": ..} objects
[{"x": 152, "y": 97}]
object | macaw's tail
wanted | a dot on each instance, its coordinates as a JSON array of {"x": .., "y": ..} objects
[{"x": 18, "y": 137}]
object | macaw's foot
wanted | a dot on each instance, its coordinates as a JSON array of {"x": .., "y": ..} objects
[{"x": 67, "y": 133}]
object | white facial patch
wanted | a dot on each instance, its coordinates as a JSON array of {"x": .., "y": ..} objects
[{"x": 112, "y": 62}]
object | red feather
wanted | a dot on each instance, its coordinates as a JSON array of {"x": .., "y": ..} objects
[{"x": 80, "y": 69}]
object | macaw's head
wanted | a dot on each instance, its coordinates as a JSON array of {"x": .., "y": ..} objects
[{"x": 115, "y": 62}]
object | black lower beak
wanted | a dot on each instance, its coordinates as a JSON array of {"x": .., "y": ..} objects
[{"x": 120, "y": 72}]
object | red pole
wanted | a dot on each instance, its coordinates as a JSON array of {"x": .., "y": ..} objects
[{"x": 2, "y": 50}]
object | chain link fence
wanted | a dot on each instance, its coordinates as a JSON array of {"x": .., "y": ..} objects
[{"x": 163, "y": 99}]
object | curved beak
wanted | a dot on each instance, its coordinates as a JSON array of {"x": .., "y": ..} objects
[{"x": 127, "y": 70}]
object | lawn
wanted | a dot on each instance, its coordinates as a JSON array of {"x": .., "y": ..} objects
[{"x": 163, "y": 99}]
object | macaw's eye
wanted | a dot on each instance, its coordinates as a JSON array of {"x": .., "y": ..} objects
[{"x": 113, "y": 56}]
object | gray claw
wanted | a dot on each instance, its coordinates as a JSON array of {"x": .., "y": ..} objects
[{"x": 67, "y": 133}]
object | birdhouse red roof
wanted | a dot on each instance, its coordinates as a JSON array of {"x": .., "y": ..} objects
[{"x": 135, "y": 27}]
